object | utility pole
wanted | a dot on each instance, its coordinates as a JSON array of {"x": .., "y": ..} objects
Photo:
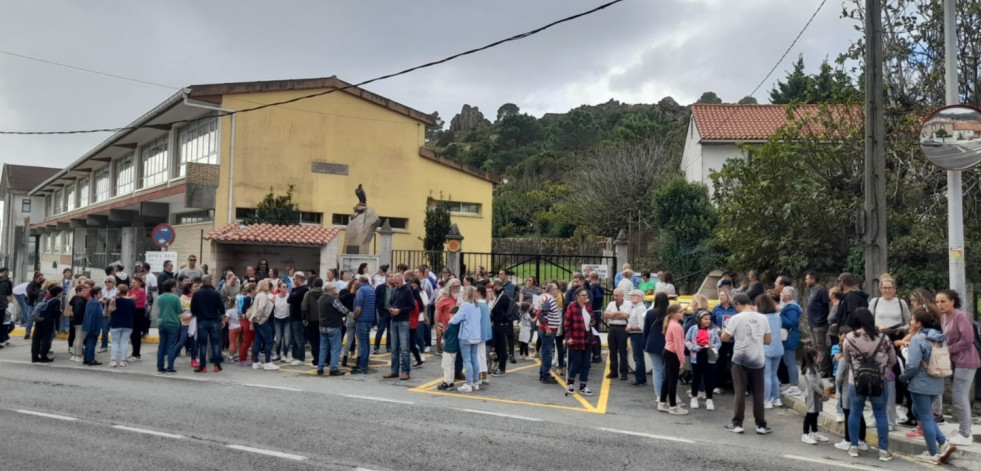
[
  {"x": 955, "y": 198},
  {"x": 876, "y": 245}
]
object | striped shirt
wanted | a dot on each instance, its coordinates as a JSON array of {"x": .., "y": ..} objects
[{"x": 551, "y": 311}]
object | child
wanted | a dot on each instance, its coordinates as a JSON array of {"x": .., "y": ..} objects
[
  {"x": 451, "y": 346},
  {"x": 234, "y": 330},
  {"x": 835, "y": 356},
  {"x": 814, "y": 395},
  {"x": 703, "y": 343},
  {"x": 524, "y": 335},
  {"x": 841, "y": 383}
]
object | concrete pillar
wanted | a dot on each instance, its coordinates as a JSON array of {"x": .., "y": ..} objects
[
  {"x": 454, "y": 252},
  {"x": 385, "y": 251},
  {"x": 329, "y": 256},
  {"x": 128, "y": 251},
  {"x": 622, "y": 249}
]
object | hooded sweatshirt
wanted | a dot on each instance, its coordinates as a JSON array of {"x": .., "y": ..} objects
[
  {"x": 920, "y": 349},
  {"x": 960, "y": 338},
  {"x": 790, "y": 320},
  {"x": 309, "y": 307}
]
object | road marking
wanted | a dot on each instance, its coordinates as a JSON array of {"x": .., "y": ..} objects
[
  {"x": 380, "y": 399},
  {"x": 498, "y": 414},
  {"x": 646, "y": 435},
  {"x": 148, "y": 432},
  {"x": 277, "y": 454},
  {"x": 50, "y": 416},
  {"x": 281, "y": 388},
  {"x": 836, "y": 463}
]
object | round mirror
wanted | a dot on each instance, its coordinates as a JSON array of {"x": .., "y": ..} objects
[{"x": 951, "y": 137}]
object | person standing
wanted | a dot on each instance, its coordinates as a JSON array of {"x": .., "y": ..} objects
[
  {"x": 34, "y": 294},
  {"x": 549, "y": 321},
  {"x": 960, "y": 339},
  {"x": 502, "y": 324},
  {"x": 751, "y": 333},
  {"x": 446, "y": 301},
  {"x": 674, "y": 360},
  {"x": 755, "y": 287},
  {"x": 192, "y": 270},
  {"x": 654, "y": 341},
  {"x": 616, "y": 315},
  {"x": 169, "y": 309},
  {"x": 852, "y": 299},
  {"x": 891, "y": 314},
  {"x": 772, "y": 352},
  {"x": 867, "y": 343},
  {"x": 468, "y": 320},
  {"x": 331, "y": 315},
  {"x": 402, "y": 305},
  {"x": 635, "y": 331},
  {"x": 281, "y": 319},
  {"x": 78, "y": 303},
  {"x": 383, "y": 306},
  {"x": 721, "y": 314},
  {"x": 141, "y": 323},
  {"x": 262, "y": 326},
  {"x": 92, "y": 325},
  {"x": 64, "y": 322},
  {"x": 577, "y": 338},
  {"x": 365, "y": 307},
  {"x": 120, "y": 325},
  {"x": 818, "y": 308},
  {"x": 310, "y": 311},
  {"x": 790, "y": 321},
  {"x": 46, "y": 312},
  {"x": 209, "y": 311},
  {"x": 702, "y": 340},
  {"x": 295, "y": 301},
  {"x": 6, "y": 296},
  {"x": 167, "y": 273}
]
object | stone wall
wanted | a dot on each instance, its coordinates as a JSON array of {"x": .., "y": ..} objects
[
  {"x": 546, "y": 246},
  {"x": 188, "y": 241}
]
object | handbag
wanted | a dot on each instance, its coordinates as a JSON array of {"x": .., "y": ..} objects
[
  {"x": 784, "y": 334},
  {"x": 712, "y": 354}
]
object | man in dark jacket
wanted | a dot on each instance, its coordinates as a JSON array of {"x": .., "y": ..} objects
[
  {"x": 209, "y": 309},
  {"x": 311, "y": 316},
  {"x": 167, "y": 273},
  {"x": 6, "y": 295},
  {"x": 402, "y": 305},
  {"x": 295, "y": 300},
  {"x": 853, "y": 299},
  {"x": 502, "y": 324},
  {"x": 331, "y": 315},
  {"x": 383, "y": 301}
]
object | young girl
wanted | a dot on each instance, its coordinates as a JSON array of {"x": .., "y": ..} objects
[
  {"x": 524, "y": 335},
  {"x": 701, "y": 340},
  {"x": 242, "y": 303},
  {"x": 814, "y": 395},
  {"x": 674, "y": 359}
]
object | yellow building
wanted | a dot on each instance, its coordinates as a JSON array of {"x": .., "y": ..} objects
[{"x": 192, "y": 163}]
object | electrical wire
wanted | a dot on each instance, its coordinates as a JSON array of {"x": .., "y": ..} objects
[
  {"x": 83, "y": 69},
  {"x": 333, "y": 90}
]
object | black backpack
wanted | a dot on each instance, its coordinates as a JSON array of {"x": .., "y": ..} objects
[{"x": 869, "y": 380}]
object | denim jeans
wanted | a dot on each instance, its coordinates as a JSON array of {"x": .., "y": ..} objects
[
  {"x": 264, "y": 337},
  {"x": 384, "y": 323},
  {"x": 167, "y": 347},
  {"x": 25, "y": 313},
  {"x": 330, "y": 337},
  {"x": 924, "y": 413},
  {"x": 90, "y": 342},
  {"x": 63, "y": 323},
  {"x": 184, "y": 341},
  {"x": 352, "y": 333},
  {"x": 640, "y": 366},
  {"x": 363, "y": 329},
  {"x": 579, "y": 363},
  {"x": 400, "y": 346},
  {"x": 105, "y": 332},
  {"x": 878, "y": 411},
  {"x": 771, "y": 385},
  {"x": 282, "y": 339},
  {"x": 118, "y": 352},
  {"x": 469, "y": 353},
  {"x": 299, "y": 340},
  {"x": 209, "y": 330},
  {"x": 657, "y": 371},
  {"x": 546, "y": 350},
  {"x": 790, "y": 361}
]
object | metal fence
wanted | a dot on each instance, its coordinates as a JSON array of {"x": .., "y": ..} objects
[{"x": 104, "y": 246}]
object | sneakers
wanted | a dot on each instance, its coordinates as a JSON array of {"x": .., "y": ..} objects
[
  {"x": 122, "y": 364},
  {"x": 101, "y": 350},
  {"x": 717, "y": 391},
  {"x": 819, "y": 437},
  {"x": 548, "y": 380},
  {"x": 275, "y": 358},
  {"x": 853, "y": 451},
  {"x": 840, "y": 417},
  {"x": 701, "y": 394},
  {"x": 475, "y": 386},
  {"x": 733, "y": 428},
  {"x": 257, "y": 365},
  {"x": 767, "y": 405},
  {"x": 444, "y": 386},
  {"x": 662, "y": 407},
  {"x": 465, "y": 388},
  {"x": 763, "y": 430},
  {"x": 843, "y": 445},
  {"x": 571, "y": 388},
  {"x": 960, "y": 440},
  {"x": 945, "y": 450},
  {"x": 885, "y": 455},
  {"x": 862, "y": 445},
  {"x": 709, "y": 405},
  {"x": 194, "y": 364},
  {"x": 918, "y": 433},
  {"x": 245, "y": 363},
  {"x": 296, "y": 363},
  {"x": 677, "y": 410},
  {"x": 792, "y": 391},
  {"x": 694, "y": 402},
  {"x": 497, "y": 373},
  {"x": 320, "y": 371},
  {"x": 112, "y": 364},
  {"x": 335, "y": 373},
  {"x": 808, "y": 439},
  {"x": 270, "y": 367},
  {"x": 926, "y": 457},
  {"x": 217, "y": 368},
  {"x": 586, "y": 392}
]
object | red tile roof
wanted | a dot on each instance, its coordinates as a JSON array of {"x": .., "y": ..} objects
[
  {"x": 752, "y": 122},
  {"x": 273, "y": 234},
  {"x": 967, "y": 126}
]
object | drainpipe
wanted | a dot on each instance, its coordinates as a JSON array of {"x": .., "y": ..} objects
[{"x": 231, "y": 151}]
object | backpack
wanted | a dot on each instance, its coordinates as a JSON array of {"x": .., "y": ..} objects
[
  {"x": 869, "y": 379},
  {"x": 939, "y": 365},
  {"x": 514, "y": 313},
  {"x": 38, "y": 313}
]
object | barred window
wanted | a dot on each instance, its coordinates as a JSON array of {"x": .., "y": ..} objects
[
  {"x": 198, "y": 143},
  {"x": 153, "y": 158}
]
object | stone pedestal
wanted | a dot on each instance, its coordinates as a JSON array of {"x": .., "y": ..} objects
[
  {"x": 454, "y": 253},
  {"x": 385, "y": 246},
  {"x": 622, "y": 249},
  {"x": 360, "y": 230}
]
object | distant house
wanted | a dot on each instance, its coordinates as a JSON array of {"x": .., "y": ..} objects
[
  {"x": 715, "y": 133},
  {"x": 18, "y": 209},
  {"x": 967, "y": 130}
]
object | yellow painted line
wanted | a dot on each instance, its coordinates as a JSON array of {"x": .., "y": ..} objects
[
  {"x": 430, "y": 385},
  {"x": 604, "y": 397},
  {"x": 506, "y": 401},
  {"x": 576, "y": 395}
]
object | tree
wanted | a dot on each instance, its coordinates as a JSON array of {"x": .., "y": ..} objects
[
  {"x": 507, "y": 109},
  {"x": 279, "y": 210},
  {"x": 685, "y": 219},
  {"x": 435, "y": 131},
  {"x": 576, "y": 132},
  {"x": 437, "y": 225},
  {"x": 709, "y": 98},
  {"x": 941, "y": 133},
  {"x": 748, "y": 100},
  {"x": 795, "y": 89}
]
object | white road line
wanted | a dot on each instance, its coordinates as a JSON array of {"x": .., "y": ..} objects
[
  {"x": 277, "y": 454},
  {"x": 646, "y": 435},
  {"x": 50, "y": 416},
  {"x": 282, "y": 388},
  {"x": 148, "y": 432},
  {"x": 379, "y": 399},
  {"x": 498, "y": 414},
  {"x": 835, "y": 463}
]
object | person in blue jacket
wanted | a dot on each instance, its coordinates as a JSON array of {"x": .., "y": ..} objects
[
  {"x": 790, "y": 321},
  {"x": 654, "y": 339},
  {"x": 720, "y": 314},
  {"x": 92, "y": 325}
]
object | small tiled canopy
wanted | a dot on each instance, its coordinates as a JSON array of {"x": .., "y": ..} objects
[{"x": 273, "y": 234}]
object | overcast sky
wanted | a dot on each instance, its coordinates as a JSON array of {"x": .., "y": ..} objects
[{"x": 636, "y": 51}]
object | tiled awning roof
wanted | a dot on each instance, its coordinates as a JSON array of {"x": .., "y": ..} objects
[{"x": 273, "y": 234}]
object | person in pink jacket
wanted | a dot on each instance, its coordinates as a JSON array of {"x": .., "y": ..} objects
[
  {"x": 960, "y": 339},
  {"x": 674, "y": 358}
]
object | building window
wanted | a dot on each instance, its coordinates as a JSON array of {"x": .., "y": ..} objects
[
  {"x": 70, "y": 197},
  {"x": 124, "y": 176},
  {"x": 306, "y": 217},
  {"x": 340, "y": 219},
  {"x": 59, "y": 202},
  {"x": 198, "y": 143},
  {"x": 459, "y": 207},
  {"x": 83, "y": 192},
  {"x": 48, "y": 208},
  {"x": 194, "y": 217},
  {"x": 102, "y": 185},
  {"x": 396, "y": 223},
  {"x": 153, "y": 158},
  {"x": 25, "y": 205}
]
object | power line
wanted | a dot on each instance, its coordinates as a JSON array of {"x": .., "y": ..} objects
[
  {"x": 792, "y": 44},
  {"x": 326, "y": 92},
  {"x": 83, "y": 69}
]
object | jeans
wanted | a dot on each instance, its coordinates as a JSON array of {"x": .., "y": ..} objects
[
  {"x": 657, "y": 370},
  {"x": 91, "y": 339},
  {"x": 640, "y": 366},
  {"x": 819, "y": 335},
  {"x": 400, "y": 346},
  {"x": 960, "y": 391},
  {"x": 469, "y": 353},
  {"x": 105, "y": 332},
  {"x": 264, "y": 337},
  {"x": 185, "y": 341},
  {"x": 352, "y": 333},
  {"x": 790, "y": 361},
  {"x": 209, "y": 330},
  {"x": 878, "y": 411},
  {"x": 546, "y": 351},
  {"x": 64, "y": 323},
  {"x": 299, "y": 341},
  {"x": 771, "y": 385},
  {"x": 25, "y": 313},
  {"x": 384, "y": 323},
  {"x": 617, "y": 339},
  {"x": 742, "y": 377},
  {"x": 167, "y": 347},
  {"x": 117, "y": 349},
  {"x": 579, "y": 363},
  {"x": 330, "y": 337},
  {"x": 931, "y": 432},
  {"x": 311, "y": 332},
  {"x": 363, "y": 330},
  {"x": 282, "y": 339}
]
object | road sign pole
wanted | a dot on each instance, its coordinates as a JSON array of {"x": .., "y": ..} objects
[{"x": 955, "y": 198}]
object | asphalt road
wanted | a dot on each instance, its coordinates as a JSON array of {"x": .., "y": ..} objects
[
  {"x": 66, "y": 416},
  {"x": 954, "y": 154}
]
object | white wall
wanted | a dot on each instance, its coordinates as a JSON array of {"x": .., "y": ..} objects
[
  {"x": 691, "y": 158},
  {"x": 700, "y": 159}
]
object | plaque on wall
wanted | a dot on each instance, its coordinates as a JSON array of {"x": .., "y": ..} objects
[{"x": 329, "y": 168}]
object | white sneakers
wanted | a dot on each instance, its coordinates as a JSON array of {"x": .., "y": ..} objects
[
  {"x": 843, "y": 445},
  {"x": 814, "y": 438},
  {"x": 662, "y": 407},
  {"x": 840, "y": 417},
  {"x": 960, "y": 440},
  {"x": 819, "y": 437},
  {"x": 767, "y": 405},
  {"x": 808, "y": 439},
  {"x": 270, "y": 367},
  {"x": 694, "y": 402},
  {"x": 257, "y": 366},
  {"x": 926, "y": 457},
  {"x": 709, "y": 405},
  {"x": 296, "y": 363},
  {"x": 677, "y": 410},
  {"x": 792, "y": 391},
  {"x": 465, "y": 388}
]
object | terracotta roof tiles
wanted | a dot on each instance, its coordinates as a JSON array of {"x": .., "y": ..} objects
[
  {"x": 751, "y": 122},
  {"x": 273, "y": 234}
]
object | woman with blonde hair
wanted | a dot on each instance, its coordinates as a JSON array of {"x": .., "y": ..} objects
[
  {"x": 262, "y": 325},
  {"x": 674, "y": 360},
  {"x": 120, "y": 325},
  {"x": 468, "y": 317}
]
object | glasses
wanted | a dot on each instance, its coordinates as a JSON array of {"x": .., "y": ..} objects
[{"x": 582, "y": 295}]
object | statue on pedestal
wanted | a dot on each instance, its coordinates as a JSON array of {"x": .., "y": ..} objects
[{"x": 361, "y": 226}]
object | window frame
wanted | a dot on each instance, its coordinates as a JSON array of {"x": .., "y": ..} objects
[
  {"x": 124, "y": 167},
  {"x": 154, "y": 162}
]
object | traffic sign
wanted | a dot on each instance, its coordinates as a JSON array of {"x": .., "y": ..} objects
[{"x": 164, "y": 235}]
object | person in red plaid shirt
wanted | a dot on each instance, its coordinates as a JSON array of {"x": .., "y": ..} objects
[{"x": 577, "y": 337}]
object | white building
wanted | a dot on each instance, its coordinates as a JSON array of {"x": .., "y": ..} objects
[{"x": 16, "y": 248}]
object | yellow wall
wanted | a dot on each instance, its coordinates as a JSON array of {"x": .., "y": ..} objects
[{"x": 275, "y": 147}]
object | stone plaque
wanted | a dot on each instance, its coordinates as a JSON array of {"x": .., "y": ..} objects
[{"x": 330, "y": 168}]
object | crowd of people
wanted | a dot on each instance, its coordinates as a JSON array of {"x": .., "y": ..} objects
[{"x": 880, "y": 351}]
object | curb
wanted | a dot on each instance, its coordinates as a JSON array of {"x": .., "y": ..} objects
[{"x": 149, "y": 338}]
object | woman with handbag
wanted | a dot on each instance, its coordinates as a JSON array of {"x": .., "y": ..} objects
[
  {"x": 960, "y": 337},
  {"x": 862, "y": 349}
]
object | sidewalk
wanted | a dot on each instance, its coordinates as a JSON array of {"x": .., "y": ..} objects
[{"x": 965, "y": 457}]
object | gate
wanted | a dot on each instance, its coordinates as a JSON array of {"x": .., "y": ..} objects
[
  {"x": 543, "y": 267},
  {"x": 103, "y": 246}
]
